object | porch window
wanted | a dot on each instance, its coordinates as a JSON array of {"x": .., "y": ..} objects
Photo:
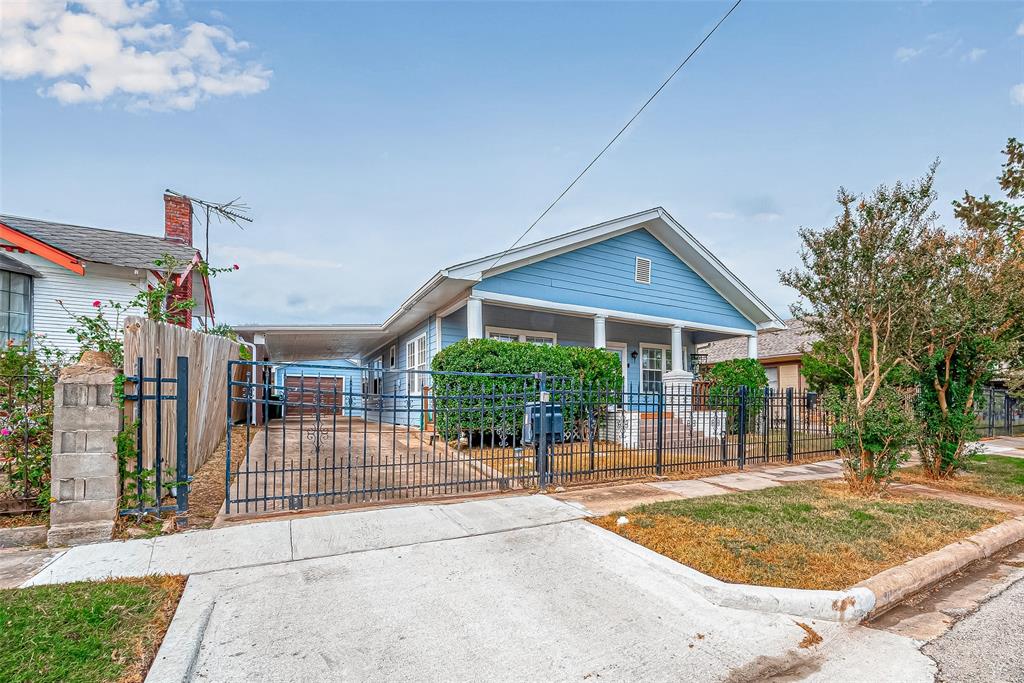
[
  {"x": 527, "y": 336},
  {"x": 15, "y": 304},
  {"x": 416, "y": 359},
  {"x": 654, "y": 361}
]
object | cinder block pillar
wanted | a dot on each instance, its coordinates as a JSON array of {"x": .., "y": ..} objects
[
  {"x": 678, "y": 390},
  {"x": 86, "y": 420}
]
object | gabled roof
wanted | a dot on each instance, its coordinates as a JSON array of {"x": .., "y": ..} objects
[
  {"x": 795, "y": 340},
  {"x": 448, "y": 284},
  {"x": 99, "y": 245},
  {"x": 656, "y": 221}
]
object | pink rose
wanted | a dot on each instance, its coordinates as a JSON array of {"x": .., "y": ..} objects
[
  {"x": 5, "y": 431},
  {"x": 235, "y": 266},
  {"x": 96, "y": 304}
]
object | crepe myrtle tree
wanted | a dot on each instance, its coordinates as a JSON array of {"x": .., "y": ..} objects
[
  {"x": 861, "y": 283},
  {"x": 975, "y": 312}
]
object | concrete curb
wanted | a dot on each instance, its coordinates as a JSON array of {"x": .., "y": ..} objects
[
  {"x": 23, "y": 536},
  {"x": 897, "y": 583}
]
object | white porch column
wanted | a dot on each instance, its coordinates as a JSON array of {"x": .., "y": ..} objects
[
  {"x": 752, "y": 346},
  {"x": 600, "y": 340},
  {"x": 678, "y": 363},
  {"x": 474, "y": 318}
]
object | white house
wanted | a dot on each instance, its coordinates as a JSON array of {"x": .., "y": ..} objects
[{"x": 44, "y": 264}]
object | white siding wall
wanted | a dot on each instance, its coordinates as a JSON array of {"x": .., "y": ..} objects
[{"x": 100, "y": 282}]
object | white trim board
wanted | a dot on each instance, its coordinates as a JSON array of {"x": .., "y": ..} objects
[{"x": 621, "y": 316}]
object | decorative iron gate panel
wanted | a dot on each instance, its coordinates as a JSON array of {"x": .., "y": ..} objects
[{"x": 158, "y": 467}]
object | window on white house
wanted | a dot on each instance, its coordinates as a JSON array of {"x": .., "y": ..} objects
[
  {"x": 527, "y": 336},
  {"x": 416, "y": 359},
  {"x": 392, "y": 356},
  {"x": 654, "y": 361},
  {"x": 15, "y": 305}
]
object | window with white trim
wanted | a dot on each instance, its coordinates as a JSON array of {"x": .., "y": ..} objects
[
  {"x": 15, "y": 304},
  {"x": 392, "y": 356},
  {"x": 527, "y": 336},
  {"x": 416, "y": 359},
  {"x": 654, "y": 362},
  {"x": 642, "y": 273}
]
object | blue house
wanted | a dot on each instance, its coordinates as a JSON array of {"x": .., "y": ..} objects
[{"x": 640, "y": 286}]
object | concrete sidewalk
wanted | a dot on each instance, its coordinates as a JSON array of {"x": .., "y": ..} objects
[
  {"x": 301, "y": 538},
  {"x": 1010, "y": 446},
  {"x": 604, "y": 499}
]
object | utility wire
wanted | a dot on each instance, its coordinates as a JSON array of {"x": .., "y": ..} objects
[{"x": 619, "y": 134}]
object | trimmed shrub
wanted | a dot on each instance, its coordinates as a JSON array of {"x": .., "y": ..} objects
[
  {"x": 477, "y": 403},
  {"x": 726, "y": 379}
]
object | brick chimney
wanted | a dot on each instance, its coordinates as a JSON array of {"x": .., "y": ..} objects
[
  {"x": 178, "y": 219},
  {"x": 178, "y": 228}
]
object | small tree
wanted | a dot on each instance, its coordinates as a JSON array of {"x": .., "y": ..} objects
[
  {"x": 976, "y": 316},
  {"x": 860, "y": 288}
]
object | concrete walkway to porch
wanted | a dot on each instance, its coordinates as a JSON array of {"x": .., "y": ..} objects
[{"x": 1009, "y": 446}]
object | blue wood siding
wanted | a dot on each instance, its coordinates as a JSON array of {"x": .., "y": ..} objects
[{"x": 602, "y": 276}]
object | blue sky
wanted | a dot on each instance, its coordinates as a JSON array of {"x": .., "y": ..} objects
[{"x": 377, "y": 143}]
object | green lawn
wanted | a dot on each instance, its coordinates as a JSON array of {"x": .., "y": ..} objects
[
  {"x": 986, "y": 475},
  {"x": 85, "y": 632},
  {"x": 809, "y": 535}
]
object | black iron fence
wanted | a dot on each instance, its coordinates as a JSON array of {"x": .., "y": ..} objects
[
  {"x": 154, "y": 466},
  {"x": 319, "y": 436},
  {"x": 26, "y": 434},
  {"x": 999, "y": 413}
]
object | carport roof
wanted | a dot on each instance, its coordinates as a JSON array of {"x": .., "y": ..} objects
[{"x": 312, "y": 342}]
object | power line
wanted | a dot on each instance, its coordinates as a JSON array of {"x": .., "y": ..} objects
[{"x": 619, "y": 134}]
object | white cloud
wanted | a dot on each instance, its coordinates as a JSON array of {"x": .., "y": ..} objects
[
  {"x": 974, "y": 54},
  {"x": 1020, "y": 29},
  {"x": 1017, "y": 94},
  {"x": 905, "y": 54},
  {"x": 721, "y": 215},
  {"x": 98, "y": 50},
  {"x": 224, "y": 253}
]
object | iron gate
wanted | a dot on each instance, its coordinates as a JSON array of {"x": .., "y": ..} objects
[
  {"x": 153, "y": 466},
  {"x": 383, "y": 435}
]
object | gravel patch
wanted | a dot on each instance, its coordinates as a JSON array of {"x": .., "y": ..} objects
[{"x": 987, "y": 646}]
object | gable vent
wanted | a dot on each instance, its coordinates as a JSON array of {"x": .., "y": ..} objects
[{"x": 643, "y": 270}]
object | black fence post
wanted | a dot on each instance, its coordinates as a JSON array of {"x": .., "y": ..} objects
[
  {"x": 542, "y": 438},
  {"x": 659, "y": 441},
  {"x": 741, "y": 428},
  {"x": 789, "y": 424},
  {"x": 1007, "y": 413},
  {"x": 766, "y": 421},
  {"x": 990, "y": 409},
  {"x": 183, "y": 478}
]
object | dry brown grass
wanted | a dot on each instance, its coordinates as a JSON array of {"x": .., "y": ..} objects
[
  {"x": 33, "y": 519},
  {"x": 152, "y": 635},
  {"x": 799, "y": 536},
  {"x": 987, "y": 475}
]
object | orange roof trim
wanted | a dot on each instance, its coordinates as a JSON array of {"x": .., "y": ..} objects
[{"x": 41, "y": 249}]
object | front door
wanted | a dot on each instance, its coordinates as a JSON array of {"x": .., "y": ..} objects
[{"x": 619, "y": 349}]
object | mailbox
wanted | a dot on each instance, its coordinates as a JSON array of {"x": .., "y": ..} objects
[{"x": 555, "y": 423}]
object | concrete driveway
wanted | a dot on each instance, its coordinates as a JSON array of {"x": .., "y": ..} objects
[{"x": 498, "y": 589}]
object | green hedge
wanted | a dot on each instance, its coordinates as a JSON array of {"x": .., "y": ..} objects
[
  {"x": 481, "y": 404},
  {"x": 726, "y": 379}
]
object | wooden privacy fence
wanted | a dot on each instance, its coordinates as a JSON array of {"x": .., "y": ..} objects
[{"x": 207, "y": 396}]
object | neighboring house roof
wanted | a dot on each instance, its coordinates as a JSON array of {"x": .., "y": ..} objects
[
  {"x": 795, "y": 340},
  {"x": 99, "y": 245},
  {"x": 449, "y": 283}
]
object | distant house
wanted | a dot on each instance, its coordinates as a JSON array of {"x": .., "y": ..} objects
[
  {"x": 779, "y": 351},
  {"x": 44, "y": 263},
  {"x": 640, "y": 286}
]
